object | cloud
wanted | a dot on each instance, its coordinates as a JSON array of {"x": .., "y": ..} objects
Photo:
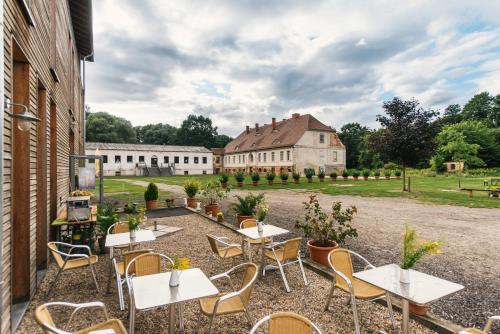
[{"x": 243, "y": 62}]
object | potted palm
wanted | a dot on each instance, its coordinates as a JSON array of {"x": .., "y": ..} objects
[
  {"x": 191, "y": 187},
  {"x": 284, "y": 177},
  {"x": 366, "y": 174},
  {"x": 321, "y": 176},
  {"x": 211, "y": 195},
  {"x": 255, "y": 178},
  {"x": 224, "y": 178},
  {"x": 387, "y": 174},
  {"x": 345, "y": 174},
  {"x": 245, "y": 207},
  {"x": 151, "y": 196},
  {"x": 270, "y": 176},
  {"x": 397, "y": 173},
  {"x": 296, "y": 177},
  {"x": 326, "y": 231},
  {"x": 239, "y": 177},
  {"x": 376, "y": 174},
  {"x": 309, "y": 173},
  {"x": 333, "y": 176},
  {"x": 106, "y": 216}
]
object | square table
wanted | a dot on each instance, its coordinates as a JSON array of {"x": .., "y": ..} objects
[
  {"x": 153, "y": 291},
  {"x": 121, "y": 239},
  {"x": 422, "y": 289}
]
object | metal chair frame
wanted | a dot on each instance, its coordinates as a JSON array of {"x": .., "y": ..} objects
[
  {"x": 352, "y": 299},
  {"x": 68, "y": 256},
  {"x": 247, "y": 240},
  {"x": 268, "y": 317},
  {"x": 487, "y": 327},
  {"x": 220, "y": 240}
]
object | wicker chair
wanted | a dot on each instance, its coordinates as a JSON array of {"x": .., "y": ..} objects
[
  {"x": 44, "y": 319},
  {"x": 284, "y": 254},
  {"x": 222, "y": 249},
  {"x": 286, "y": 323},
  {"x": 120, "y": 267},
  {"x": 247, "y": 223},
  {"x": 232, "y": 302},
  {"x": 341, "y": 263},
  {"x": 69, "y": 261},
  {"x": 119, "y": 227},
  {"x": 487, "y": 327}
]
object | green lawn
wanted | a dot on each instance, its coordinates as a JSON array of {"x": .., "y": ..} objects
[{"x": 439, "y": 189}]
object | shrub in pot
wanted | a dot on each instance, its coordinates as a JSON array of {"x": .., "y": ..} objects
[
  {"x": 151, "y": 196},
  {"x": 296, "y": 177},
  {"x": 191, "y": 187},
  {"x": 270, "y": 176},
  {"x": 376, "y": 174},
  {"x": 245, "y": 207},
  {"x": 333, "y": 176},
  {"x": 255, "y": 178},
  {"x": 325, "y": 231},
  {"x": 284, "y": 177},
  {"x": 134, "y": 221},
  {"x": 321, "y": 176},
  {"x": 309, "y": 173},
  {"x": 345, "y": 174},
  {"x": 398, "y": 174},
  {"x": 387, "y": 174},
  {"x": 224, "y": 178},
  {"x": 366, "y": 174},
  {"x": 211, "y": 195},
  {"x": 106, "y": 216},
  {"x": 239, "y": 177},
  {"x": 355, "y": 174}
]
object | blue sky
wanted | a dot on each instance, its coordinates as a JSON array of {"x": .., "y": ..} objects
[{"x": 243, "y": 62}]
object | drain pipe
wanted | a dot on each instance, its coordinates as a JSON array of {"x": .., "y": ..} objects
[
  {"x": 2, "y": 99},
  {"x": 84, "y": 80}
]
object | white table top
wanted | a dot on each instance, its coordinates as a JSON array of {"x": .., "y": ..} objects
[
  {"x": 154, "y": 291},
  {"x": 120, "y": 239},
  {"x": 268, "y": 231},
  {"x": 422, "y": 288}
]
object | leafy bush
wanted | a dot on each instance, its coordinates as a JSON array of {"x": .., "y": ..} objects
[
  {"x": 391, "y": 166},
  {"x": 246, "y": 206},
  {"x": 284, "y": 176},
  {"x": 321, "y": 174},
  {"x": 366, "y": 173},
  {"x": 355, "y": 173},
  {"x": 387, "y": 172},
  {"x": 333, "y": 175},
  {"x": 295, "y": 176},
  {"x": 309, "y": 172},
  {"x": 224, "y": 177},
  {"x": 345, "y": 173},
  {"x": 213, "y": 193},
  {"x": 255, "y": 177},
  {"x": 106, "y": 216},
  {"x": 397, "y": 173},
  {"x": 151, "y": 193},
  {"x": 239, "y": 176},
  {"x": 270, "y": 176},
  {"x": 192, "y": 186},
  {"x": 376, "y": 173}
]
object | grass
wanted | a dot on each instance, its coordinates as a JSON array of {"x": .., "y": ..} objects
[
  {"x": 438, "y": 190},
  {"x": 116, "y": 189}
]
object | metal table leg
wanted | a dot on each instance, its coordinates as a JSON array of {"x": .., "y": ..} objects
[
  {"x": 262, "y": 259},
  {"x": 171, "y": 316},
  {"x": 406, "y": 317}
]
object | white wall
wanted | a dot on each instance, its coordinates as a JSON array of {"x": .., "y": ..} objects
[
  {"x": 309, "y": 152},
  {"x": 242, "y": 160}
]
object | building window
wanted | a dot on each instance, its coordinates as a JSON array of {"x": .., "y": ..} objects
[
  {"x": 334, "y": 156},
  {"x": 141, "y": 158},
  {"x": 176, "y": 160},
  {"x": 91, "y": 161},
  {"x": 118, "y": 159},
  {"x": 186, "y": 160},
  {"x": 265, "y": 157},
  {"x": 258, "y": 157},
  {"x": 288, "y": 155},
  {"x": 217, "y": 160},
  {"x": 243, "y": 158},
  {"x": 282, "y": 154},
  {"x": 239, "y": 159},
  {"x": 166, "y": 160},
  {"x": 204, "y": 172},
  {"x": 204, "y": 160},
  {"x": 130, "y": 159},
  {"x": 105, "y": 159},
  {"x": 272, "y": 156},
  {"x": 321, "y": 138},
  {"x": 234, "y": 159},
  {"x": 196, "y": 160},
  {"x": 186, "y": 172}
]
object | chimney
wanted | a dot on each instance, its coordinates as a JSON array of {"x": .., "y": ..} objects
[
  {"x": 248, "y": 129},
  {"x": 295, "y": 116},
  {"x": 274, "y": 123},
  {"x": 256, "y": 127}
]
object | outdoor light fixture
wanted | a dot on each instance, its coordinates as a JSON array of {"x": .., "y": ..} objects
[{"x": 24, "y": 118}]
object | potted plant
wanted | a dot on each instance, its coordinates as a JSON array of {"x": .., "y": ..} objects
[
  {"x": 326, "y": 230},
  {"x": 245, "y": 207},
  {"x": 309, "y": 173},
  {"x": 151, "y": 196},
  {"x": 333, "y": 176},
  {"x": 224, "y": 178},
  {"x": 239, "y": 177},
  {"x": 169, "y": 201},
  {"x": 134, "y": 221},
  {"x": 191, "y": 187},
  {"x": 355, "y": 174},
  {"x": 270, "y": 176},
  {"x": 321, "y": 176},
  {"x": 130, "y": 208},
  {"x": 412, "y": 251},
  {"x": 366, "y": 174},
  {"x": 387, "y": 174},
  {"x": 220, "y": 217},
  {"x": 106, "y": 216},
  {"x": 175, "y": 267},
  {"x": 211, "y": 195},
  {"x": 376, "y": 174},
  {"x": 398, "y": 174},
  {"x": 284, "y": 177},
  {"x": 296, "y": 177},
  {"x": 255, "y": 178},
  {"x": 345, "y": 174},
  {"x": 261, "y": 212}
]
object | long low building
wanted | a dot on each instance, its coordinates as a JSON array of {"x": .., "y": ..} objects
[{"x": 152, "y": 160}]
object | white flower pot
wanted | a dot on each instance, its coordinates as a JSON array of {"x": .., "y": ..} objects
[
  {"x": 404, "y": 276},
  {"x": 260, "y": 227},
  {"x": 174, "y": 278}
]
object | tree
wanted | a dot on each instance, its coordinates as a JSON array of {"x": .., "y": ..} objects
[
  {"x": 453, "y": 146},
  {"x": 481, "y": 107},
  {"x": 407, "y": 134},
  {"x": 157, "y": 134},
  {"x": 106, "y": 128},
  {"x": 353, "y": 136},
  {"x": 222, "y": 140},
  {"x": 452, "y": 115},
  {"x": 197, "y": 131}
]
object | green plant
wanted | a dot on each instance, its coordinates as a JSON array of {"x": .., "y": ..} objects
[
  {"x": 151, "y": 193},
  {"x": 323, "y": 227},
  {"x": 284, "y": 176},
  {"x": 387, "y": 173},
  {"x": 255, "y": 177},
  {"x": 333, "y": 175},
  {"x": 391, "y": 166},
  {"x": 130, "y": 208},
  {"x": 135, "y": 220},
  {"x": 413, "y": 250},
  {"x": 355, "y": 173},
  {"x": 321, "y": 174},
  {"x": 366, "y": 173},
  {"x": 397, "y": 173},
  {"x": 224, "y": 177},
  {"x": 261, "y": 210},
  {"x": 106, "y": 216},
  {"x": 270, "y": 176},
  {"x": 239, "y": 176},
  {"x": 345, "y": 173},
  {"x": 296, "y": 176},
  {"x": 309, "y": 172},
  {"x": 376, "y": 173},
  {"x": 213, "y": 193},
  {"x": 246, "y": 206},
  {"x": 192, "y": 186}
]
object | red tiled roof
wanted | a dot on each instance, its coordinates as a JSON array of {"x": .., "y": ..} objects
[{"x": 287, "y": 133}]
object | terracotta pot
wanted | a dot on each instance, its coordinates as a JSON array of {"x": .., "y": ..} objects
[
  {"x": 365, "y": 178},
  {"x": 152, "y": 204},
  {"x": 387, "y": 177},
  {"x": 239, "y": 219},
  {"x": 212, "y": 208},
  {"x": 255, "y": 183},
  {"x": 346, "y": 178},
  {"x": 270, "y": 183},
  {"x": 285, "y": 182},
  {"x": 296, "y": 181},
  {"x": 192, "y": 202},
  {"x": 309, "y": 179},
  {"x": 239, "y": 183},
  {"x": 355, "y": 178},
  {"x": 377, "y": 177},
  {"x": 334, "y": 179},
  {"x": 321, "y": 179},
  {"x": 224, "y": 184},
  {"x": 320, "y": 254},
  {"x": 419, "y": 309},
  {"x": 398, "y": 177}
]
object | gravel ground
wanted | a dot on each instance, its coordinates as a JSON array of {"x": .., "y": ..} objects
[{"x": 268, "y": 295}]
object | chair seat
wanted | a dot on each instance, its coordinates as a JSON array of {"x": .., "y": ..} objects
[
  {"x": 231, "y": 251},
  {"x": 362, "y": 290},
  {"x": 113, "y": 324},
  {"x": 81, "y": 262},
  {"x": 258, "y": 241},
  {"x": 228, "y": 306},
  {"x": 474, "y": 331},
  {"x": 279, "y": 254},
  {"x": 120, "y": 266}
]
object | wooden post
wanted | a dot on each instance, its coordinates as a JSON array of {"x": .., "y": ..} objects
[{"x": 409, "y": 184}]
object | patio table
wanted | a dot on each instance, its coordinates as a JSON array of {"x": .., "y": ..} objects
[
  {"x": 268, "y": 231},
  {"x": 422, "y": 289},
  {"x": 121, "y": 239},
  {"x": 152, "y": 291}
]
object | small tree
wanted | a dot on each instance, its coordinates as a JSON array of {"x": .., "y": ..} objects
[{"x": 151, "y": 193}]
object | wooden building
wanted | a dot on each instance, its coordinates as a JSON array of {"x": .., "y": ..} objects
[{"x": 45, "y": 43}]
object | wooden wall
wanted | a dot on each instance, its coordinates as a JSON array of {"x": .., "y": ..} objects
[{"x": 37, "y": 44}]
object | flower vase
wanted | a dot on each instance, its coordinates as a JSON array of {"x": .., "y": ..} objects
[
  {"x": 260, "y": 227},
  {"x": 174, "y": 278},
  {"x": 404, "y": 276}
]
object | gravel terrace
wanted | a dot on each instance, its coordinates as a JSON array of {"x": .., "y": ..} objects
[{"x": 268, "y": 295}]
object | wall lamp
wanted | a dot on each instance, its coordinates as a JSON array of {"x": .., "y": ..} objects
[{"x": 24, "y": 118}]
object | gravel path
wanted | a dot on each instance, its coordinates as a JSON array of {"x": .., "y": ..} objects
[{"x": 268, "y": 295}]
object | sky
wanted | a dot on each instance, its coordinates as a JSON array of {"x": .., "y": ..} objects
[{"x": 242, "y": 62}]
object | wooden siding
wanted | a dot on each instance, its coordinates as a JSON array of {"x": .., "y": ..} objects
[{"x": 35, "y": 42}]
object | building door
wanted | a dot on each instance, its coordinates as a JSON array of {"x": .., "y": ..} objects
[
  {"x": 154, "y": 161},
  {"x": 41, "y": 180},
  {"x": 20, "y": 201}
]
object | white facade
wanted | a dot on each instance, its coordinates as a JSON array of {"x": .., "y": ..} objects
[{"x": 130, "y": 159}]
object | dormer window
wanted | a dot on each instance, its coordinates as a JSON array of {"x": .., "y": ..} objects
[
  {"x": 253, "y": 145},
  {"x": 276, "y": 141},
  {"x": 237, "y": 147}
]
